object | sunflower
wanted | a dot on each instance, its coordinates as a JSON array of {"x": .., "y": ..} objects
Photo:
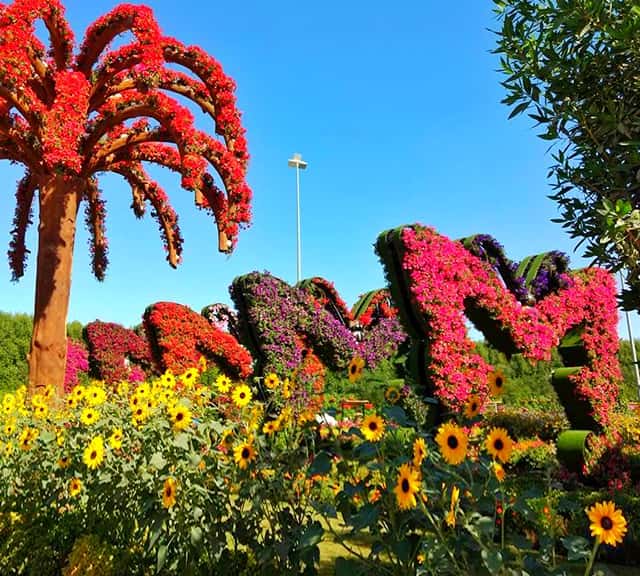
[
  {"x": 498, "y": 471},
  {"x": 355, "y": 368},
  {"x": 142, "y": 390},
  {"x": 89, "y": 416},
  {"x": 373, "y": 428},
  {"x": 71, "y": 401},
  {"x": 244, "y": 455},
  {"x": 223, "y": 383},
  {"x": 419, "y": 452},
  {"x": 451, "y": 515},
  {"x": 453, "y": 443},
  {"x": 139, "y": 414},
  {"x": 75, "y": 487},
  {"x": 94, "y": 453},
  {"x": 169, "y": 493},
  {"x": 472, "y": 407},
  {"x": 78, "y": 392},
  {"x": 241, "y": 395},
  {"x": 189, "y": 377},
  {"x": 8, "y": 448},
  {"x": 608, "y": 524},
  {"x": 407, "y": 486},
  {"x": 271, "y": 381},
  {"x": 496, "y": 383},
  {"x": 181, "y": 417},
  {"x": 10, "y": 427},
  {"x": 115, "y": 440},
  {"x": 271, "y": 427},
  {"x": 499, "y": 444},
  {"x": 286, "y": 389},
  {"x": 64, "y": 461},
  {"x": 227, "y": 438},
  {"x": 38, "y": 400},
  {"x": 95, "y": 395},
  {"x": 27, "y": 436},
  {"x": 41, "y": 412},
  {"x": 122, "y": 388},
  {"x": 9, "y": 401},
  {"x": 392, "y": 394},
  {"x": 168, "y": 379}
]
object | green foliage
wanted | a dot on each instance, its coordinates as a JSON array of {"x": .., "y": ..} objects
[
  {"x": 573, "y": 67},
  {"x": 74, "y": 330},
  {"x": 15, "y": 340},
  {"x": 629, "y": 391},
  {"x": 523, "y": 423}
]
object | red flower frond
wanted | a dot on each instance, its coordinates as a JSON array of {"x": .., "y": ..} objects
[
  {"x": 137, "y": 19},
  {"x": 22, "y": 219},
  {"x": 17, "y": 141},
  {"x": 94, "y": 218},
  {"x": 162, "y": 211}
]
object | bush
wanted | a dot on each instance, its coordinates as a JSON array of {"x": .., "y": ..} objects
[{"x": 523, "y": 423}]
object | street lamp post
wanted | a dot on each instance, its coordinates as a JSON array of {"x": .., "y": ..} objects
[{"x": 299, "y": 164}]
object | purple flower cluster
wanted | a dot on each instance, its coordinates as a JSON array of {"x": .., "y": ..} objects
[{"x": 381, "y": 339}]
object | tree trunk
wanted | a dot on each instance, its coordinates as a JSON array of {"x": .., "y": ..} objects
[{"x": 59, "y": 201}]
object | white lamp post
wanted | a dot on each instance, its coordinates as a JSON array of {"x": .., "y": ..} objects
[{"x": 299, "y": 164}]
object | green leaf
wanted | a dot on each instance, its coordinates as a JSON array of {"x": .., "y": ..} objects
[
  {"x": 321, "y": 464},
  {"x": 349, "y": 567},
  {"x": 181, "y": 441},
  {"x": 365, "y": 518},
  {"x": 312, "y": 535},
  {"x": 157, "y": 461},
  {"x": 395, "y": 413},
  {"x": 195, "y": 533},
  {"x": 161, "y": 558},
  {"x": 577, "y": 547},
  {"x": 492, "y": 559}
]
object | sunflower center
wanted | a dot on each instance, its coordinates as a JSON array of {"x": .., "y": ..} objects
[
  {"x": 373, "y": 426},
  {"x": 606, "y": 523},
  {"x": 498, "y": 444},
  {"x": 352, "y": 369},
  {"x": 179, "y": 416},
  {"x": 498, "y": 382},
  {"x": 242, "y": 395},
  {"x": 452, "y": 442},
  {"x": 93, "y": 455},
  {"x": 474, "y": 406},
  {"x": 405, "y": 485},
  {"x": 168, "y": 492},
  {"x": 245, "y": 453}
]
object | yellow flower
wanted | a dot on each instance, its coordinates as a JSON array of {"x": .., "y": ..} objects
[
  {"x": 472, "y": 407},
  {"x": 244, "y": 455},
  {"x": 451, "y": 515},
  {"x": 241, "y": 395},
  {"x": 94, "y": 453},
  {"x": 498, "y": 471},
  {"x": 41, "y": 411},
  {"x": 75, "y": 487},
  {"x": 10, "y": 427},
  {"x": 181, "y": 417},
  {"x": 286, "y": 389},
  {"x": 271, "y": 427},
  {"x": 64, "y": 461},
  {"x": 169, "y": 493},
  {"x": 202, "y": 364},
  {"x": 9, "y": 401},
  {"x": 122, "y": 388},
  {"x": 60, "y": 436},
  {"x": 407, "y": 486},
  {"x": 355, "y": 368},
  {"x": 608, "y": 524},
  {"x": 49, "y": 391},
  {"x": 95, "y": 395},
  {"x": 38, "y": 400},
  {"x": 78, "y": 392},
  {"x": 142, "y": 390},
  {"x": 223, "y": 383},
  {"x": 189, "y": 377},
  {"x": 115, "y": 440},
  {"x": 168, "y": 379},
  {"x": 27, "y": 437},
  {"x": 392, "y": 394},
  {"x": 419, "y": 452},
  {"x": 71, "y": 401},
  {"x": 139, "y": 414},
  {"x": 8, "y": 448},
  {"x": 271, "y": 381},
  {"x": 452, "y": 442},
  {"x": 496, "y": 383},
  {"x": 372, "y": 428},
  {"x": 227, "y": 438},
  {"x": 89, "y": 416},
  {"x": 499, "y": 444}
]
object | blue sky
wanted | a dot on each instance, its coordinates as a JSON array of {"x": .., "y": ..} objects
[{"x": 396, "y": 107}]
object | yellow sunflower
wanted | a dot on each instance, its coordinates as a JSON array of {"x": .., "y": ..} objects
[
  {"x": 78, "y": 392},
  {"x": 71, "y": 401},
  {"x": 122, "y": 389},
  {"x": 227, "y": 438},
  {"x": 355, "y": 368},
  {"x": 168, "y": 379},
  {"x": 499, "y": 444},
  {"x": 498, "y": 471},
  {"x": 38, "y": 400},
  {"x": 372, "y": 428},
  {"x": 10, "y": 427},
  {"x": 75, "y": 487},
  {"x": 419, "y": 452},
  {"x": 472, "y": 407},
  {"x": 223, "y": 383},
  {"x": 451, "y": 515},
  {"x": 244, "y": 455},
  {"x": 115, "y": 440},
  {"x": 271, "y": 381},
  {"x": 27, "y": 436},
  {"x": 9, "y": 401},
  {"x": 169, "y": 493},
  {"x": 189, "y": 377},
  {"x": 271, "y": 427},
  {"x": 139, "y": 414},
  {"x": 94, "y": 453},
  {"x": 407, "y": 486},
  {"x": 64, "y": 461},
  {"x": 41, "y": 412},
  {"x": 496, "y": 383},
  {"x": 95, "y": 395},
  {"x": 89, "y": 416},
  {"x": 286, "y": 389},
  {"x": 392, "y": 394},
  {"x": 8, "y": 448},
  {"x": 241, "y": 395},
  {"x": 608, "y": 524},
  {"x": 202, "y": 363},
  {"x": 452, "y": 442},
  {"x": 181, "y": 417}
]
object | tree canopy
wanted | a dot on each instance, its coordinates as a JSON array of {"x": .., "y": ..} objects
[{"x": 574, "y": 67}]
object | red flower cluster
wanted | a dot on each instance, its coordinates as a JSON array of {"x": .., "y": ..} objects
[
  {"x": 323, "y": 294},
  {"x": 444, "y": 280},
  {"x": 77, "y": 361},
  {"x": 377, "y": 308},
  {"x": 115, "y": 350},
  {"x": 179, "y": 336}
]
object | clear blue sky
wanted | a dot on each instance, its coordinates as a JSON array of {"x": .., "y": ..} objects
[{"x": 396, "y": 107}]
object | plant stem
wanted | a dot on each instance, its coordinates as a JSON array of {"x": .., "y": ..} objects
[{"x": 596, "y": 545}]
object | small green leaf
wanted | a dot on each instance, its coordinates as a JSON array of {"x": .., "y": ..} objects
[
  {"x": 196, "y": 535},
  {"x": 312, "y": 535},
  {"x": 157, "y": 461},
  {"x": 162, "y": 556},
  {"x": 321, "y": 464},
  {"x": 492, "y": 560},
  {"x": 181, "y": 441}
]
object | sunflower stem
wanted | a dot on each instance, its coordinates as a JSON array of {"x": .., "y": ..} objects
[{"x": 592, "y": 558}]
